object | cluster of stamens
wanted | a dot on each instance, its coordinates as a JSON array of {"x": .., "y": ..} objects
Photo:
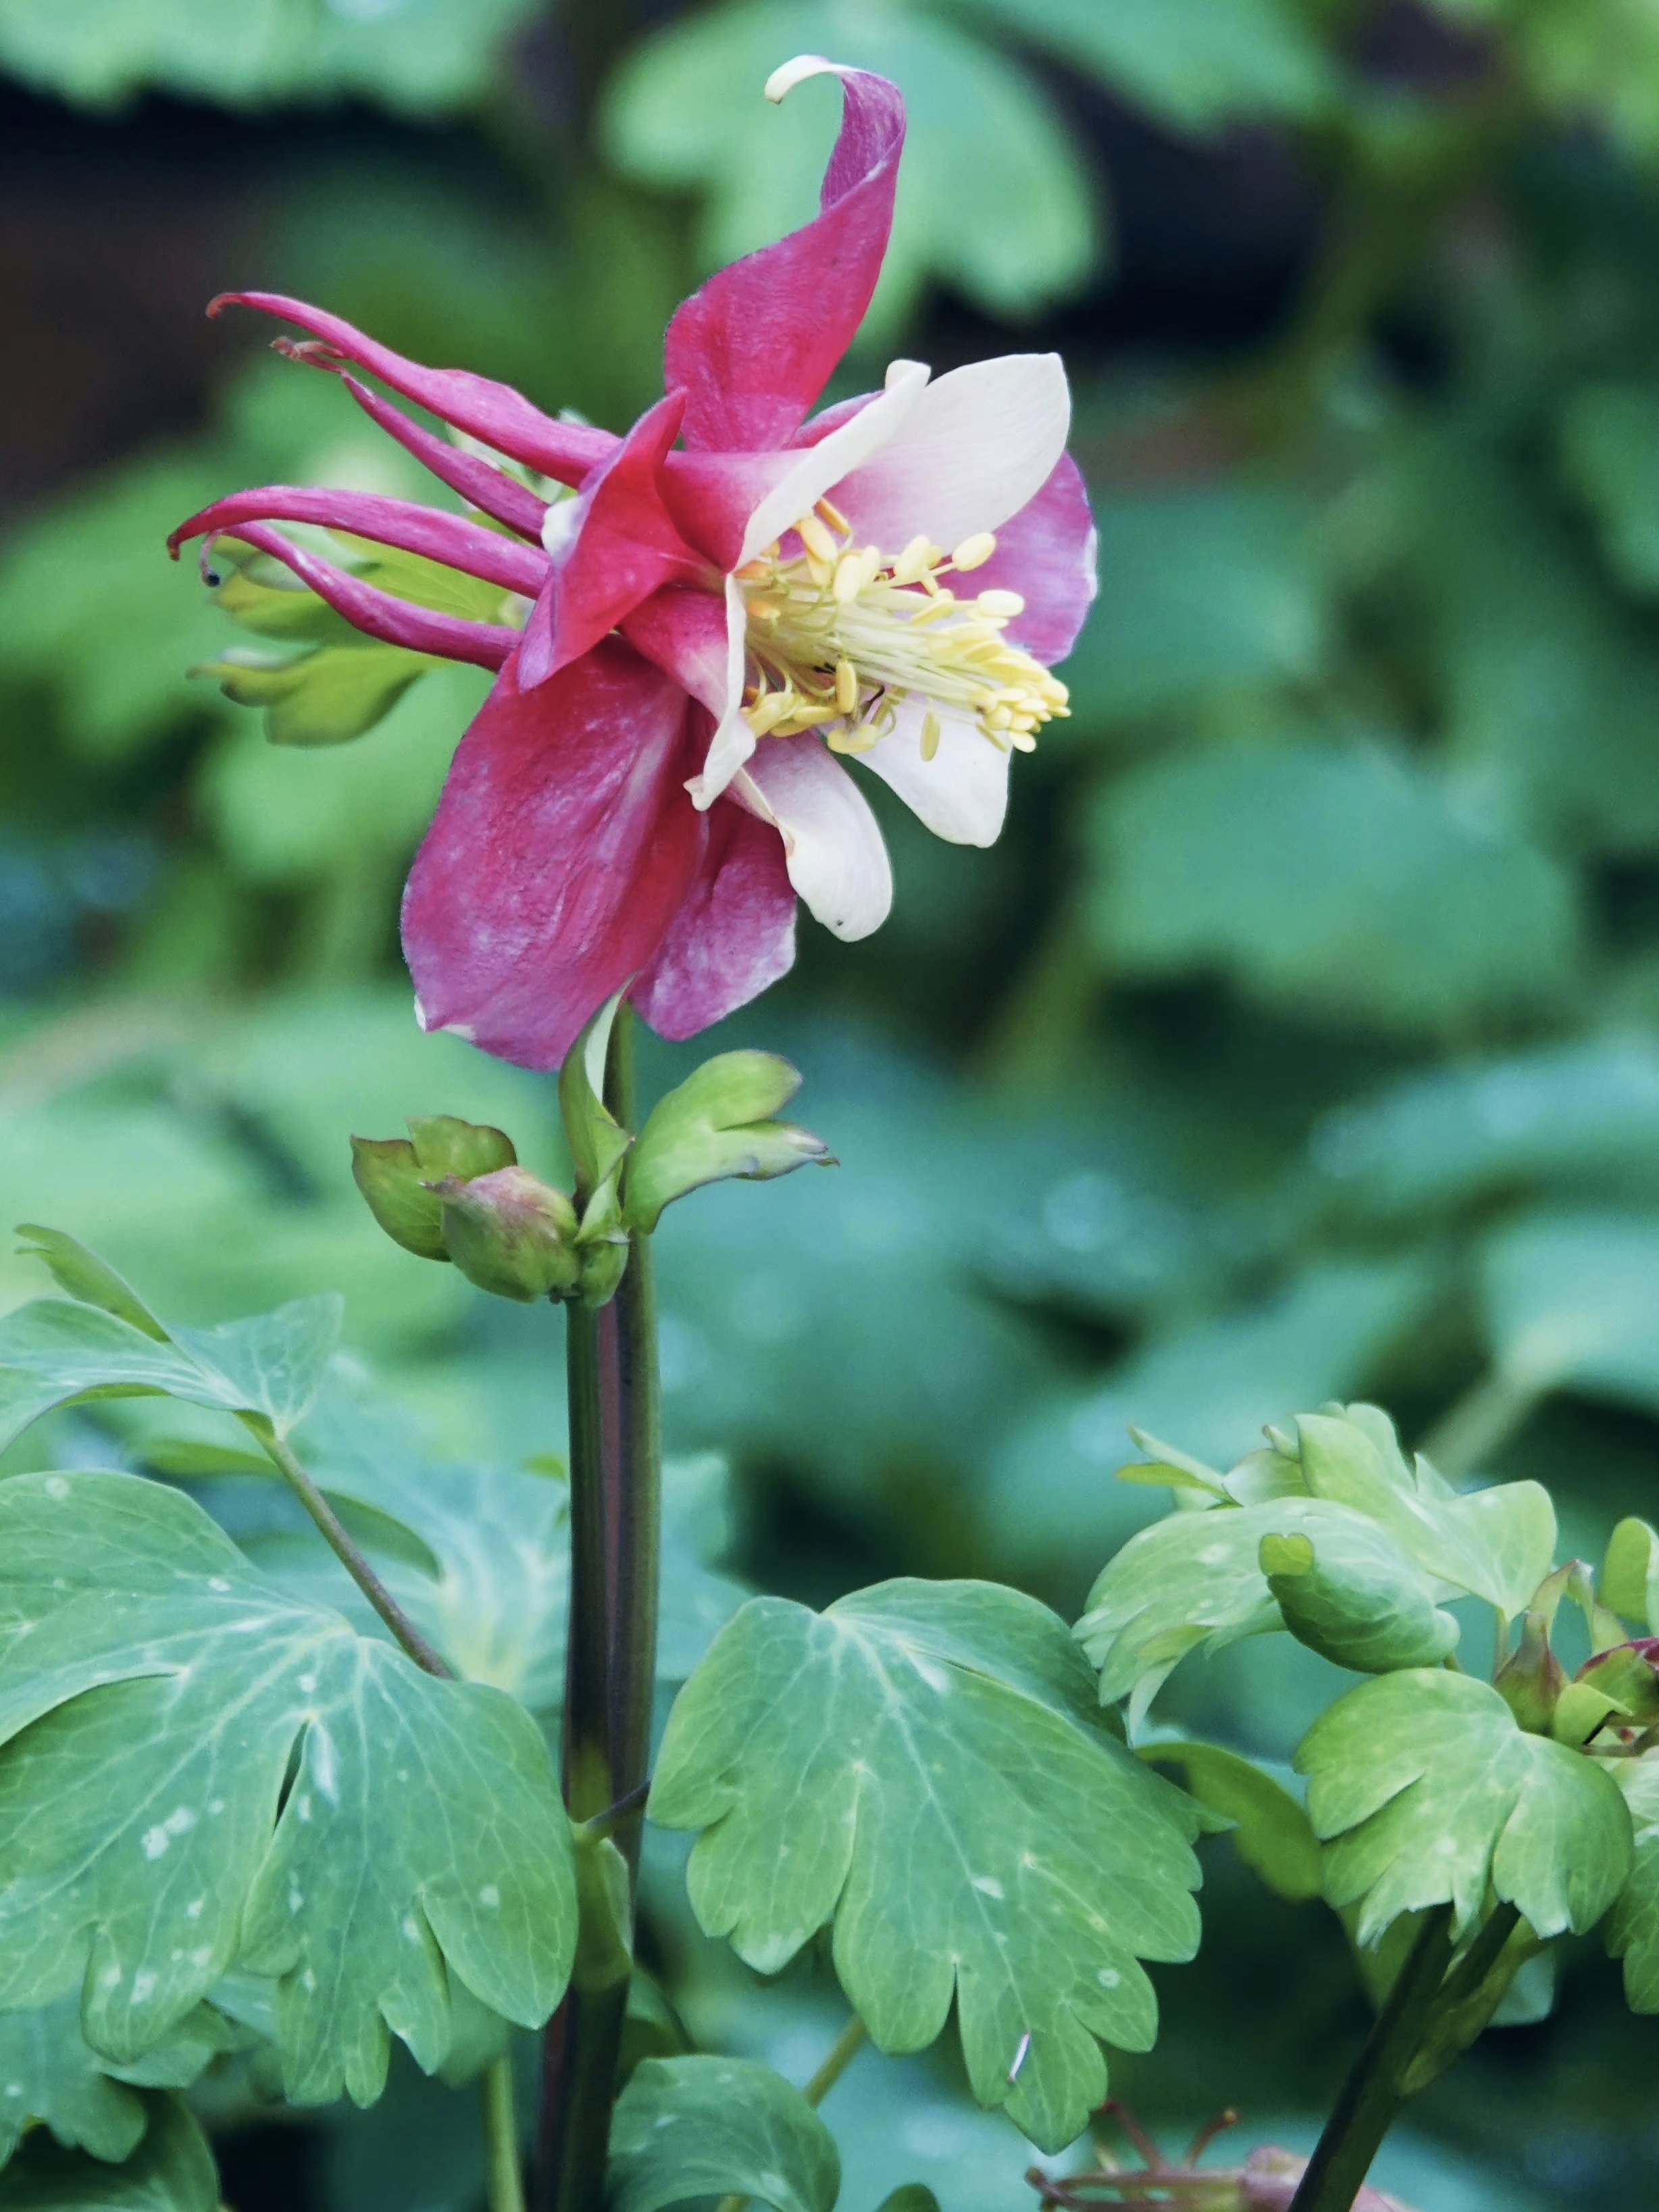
[{"x": 839, "y": 635}]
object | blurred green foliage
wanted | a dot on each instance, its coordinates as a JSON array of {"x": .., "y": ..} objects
[{"x": 1300, "y": 1040}]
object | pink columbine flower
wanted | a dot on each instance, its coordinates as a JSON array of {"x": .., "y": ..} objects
[{"x": 741, "y": 599}]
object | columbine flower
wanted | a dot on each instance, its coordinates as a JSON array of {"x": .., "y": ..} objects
[{"x": 693, "y": 646}]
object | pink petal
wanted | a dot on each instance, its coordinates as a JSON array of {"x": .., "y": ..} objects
[
  {"x": 976, "y": 447},
  {"x": 490, "y": 490},
  {"x": 832, "y": 843},
  {"x": 687, "y": 633},
  {"x": 756, "y": 346},
  {"x": 379, "y": 614},
  {"x": 1046, "y": 553},
  {"x": 734, "y": 936},
  {"x": 496, "y": 413},
  {"x": 711, "y": 497},
  {"x": 621, "y": 546},
  {"x": 427, "y": 530},
  {"x": 563, "y": 849}
]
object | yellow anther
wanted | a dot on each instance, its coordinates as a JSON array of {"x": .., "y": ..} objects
[
  {"x": 974, "y": 552},
  {"x": 850, "y": 578},
  {"x": 930, "y": 736},
  {"x": 764, "y": 715},
  {"x": 814, "y": 537},
  {"x": 847, "y": 686},
  {"x": 943, "y": 603},
  {"x": 918, "y": 555},
  {"x": 753, "y": 572},
  {"x": 832, "y": 515},
  {"x": 855, "y": 741},
  {"x": 1000, "y": 605},
  {"x": 769, "y": 609}
]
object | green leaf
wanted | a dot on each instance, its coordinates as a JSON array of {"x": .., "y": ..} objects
[
  {"x": 1269, "y": 1827},
  {"x": 84, "y": 1276},
  {"x": 924, "y": 1763},
  {"x": 716, "y": 1126},
  {"x": 1633, "y": 1929},
  {"x": 1213, "y": 591},
  {"x": 1196, "y": 1579},
  {"x": 428, "y": 56},
  {"x": 913, "y": 2196},
  {"x": 1629, "y": 1581},
  {"x": 51, "y": 2077},
  {"x": 1190, "y": 61},
  {"x": 154, "y": 1691},
  {"x": 482, "y": 1567},
  {"x": 1337, "y": 881},
  {"x": 1348, "y": 1593},
  {"x": 52, "y": 1354},
  {"x": 171, "y": 2171},
  {"x": 326, "y": 696},
  {"x": 1425, "y": 1792},
  {"x": 709, "y": 2127},
  {"x": 1571, "y": 1301},
  {"x": 596, "y": 1138},
  {"x": 994, "y": 198}
]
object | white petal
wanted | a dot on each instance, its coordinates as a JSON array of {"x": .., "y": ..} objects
[
  {"x": 784, "y": 79},
  {"x": 832, "y": 844},
  {"x": 733, "y": 740},
  {"x": 976, "y": 446},
  {"x": 846, "y": 448},
  {"x": 961, "y": 794}
]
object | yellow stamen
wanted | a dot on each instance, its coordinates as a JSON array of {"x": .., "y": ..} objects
[
  {"x": 974, "y": 552},
  {"x": 847, "y": 686},
  {"x": 849, "y": 578},
  {"x": 918, "y": 555},
  {"x": 1006, "y": 605},
  {"x": 815, "y": 539},
  {"x": 930, "y": 736},
  {"x": 832, "y": 515}
]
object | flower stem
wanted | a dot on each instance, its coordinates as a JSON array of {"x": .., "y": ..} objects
[
  {"x": 344, "y": 1550},
  {"x": 836, "y": 2060},
  {"x": 616, "y": 1454},
  {"x": 501, "y": 2137},
  {"x": 1372, "y": 2094}
]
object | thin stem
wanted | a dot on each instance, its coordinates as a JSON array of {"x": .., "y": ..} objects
[
  {"x": 1371, "y": 2095},
  {"x": 615, "y": 1457},
  {"x": 1478, "y": 1961},
  {"x": 836, "y": 2061},
  {"x": 344, "y": 1550},
  {"x": 1480, "y": 1422},
  {"x": 501, "y": 2137}
]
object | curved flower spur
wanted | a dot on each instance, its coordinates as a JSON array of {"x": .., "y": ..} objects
[{"x": 737, "y": 601}]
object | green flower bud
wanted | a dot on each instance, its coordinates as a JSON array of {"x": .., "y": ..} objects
[
  {"x": 511, "y": 1234},
  {"x": 1628, "y": 1676},
  {"x": 1531, "y": 1680},
  {"x": 396, "y": 1174}
]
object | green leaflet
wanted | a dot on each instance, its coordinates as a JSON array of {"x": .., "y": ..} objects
[
  {"x": 1633, "y": 1929},
  {"x": 51, "y": 2076},
  {"x": 1269, "y": 1828},
  {"x": 154, "y": 1690},
  {"x": 171, "y": 2171},
  {"x": 710, "y": 2127},
  {"x": 1348, "y": 1593},
  {"x": 923, "y": 1763},
  {"x": 1195, "y": 1578},
  {"x": 54, "y": 1352},
  {"x": 1427, "y": 1792},
  {"x": 1629, "y": 1581}
]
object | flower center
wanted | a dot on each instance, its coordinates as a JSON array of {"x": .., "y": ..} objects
[{"x": 839, "y": 637}]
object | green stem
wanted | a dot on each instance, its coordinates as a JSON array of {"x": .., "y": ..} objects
[
  {"x": 1482, "y": 1955},
  {"x": 1372, "y": 2095},
  {"x": 501, "y": 2137},
  {"x": 1480, "y": 1422},
  {"x": 344, "y": 1550},
  {"x": 616, "y": 1458},
  {"x": 836, "y": 2060}
]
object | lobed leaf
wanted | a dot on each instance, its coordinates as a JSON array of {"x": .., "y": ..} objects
[
  {"x": 1633, "y": 1929},
  {"x": 923, "y": 1763},
  {"x": 157, "y": 1695},
  {"x": 712, "y": 2127},
  {"x": 171, "y": 2171},
  {"x": 51, "y": 2077},
  {"x": 1427, "y": 1792}
]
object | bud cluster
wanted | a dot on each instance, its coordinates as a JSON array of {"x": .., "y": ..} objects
[{"x": 454, "y": 1190}]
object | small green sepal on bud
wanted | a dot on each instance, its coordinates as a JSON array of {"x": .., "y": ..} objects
[
  {"x": 395, "y": 1174},
  {"x": 1532, "y": 1680},
  {"x": 1627, "y": 1676},
  {"x": 510, "y": 1233},
  {"x": 716, "y": 1125}
]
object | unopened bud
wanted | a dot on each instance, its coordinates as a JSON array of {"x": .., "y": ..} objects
[
  {"x": 1531, "y": 1680},
  {"x": 396, "y": 1174},
  {"x": 1627, "y": 1675},
  {"x": 511, "y": 1234}
]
